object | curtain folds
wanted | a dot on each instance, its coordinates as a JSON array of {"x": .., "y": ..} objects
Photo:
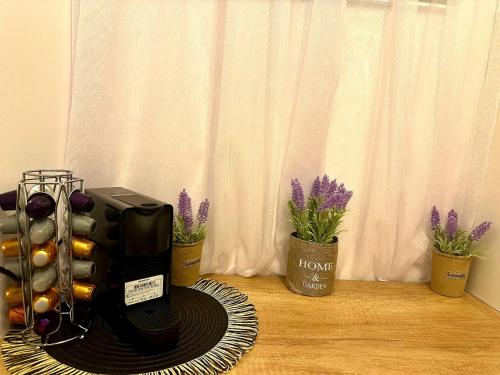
[{"x": 232, "y": 99}]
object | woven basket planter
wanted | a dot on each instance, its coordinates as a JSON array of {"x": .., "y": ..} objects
[
  {"x": 449, "y": 273},
  {"x": 186, "y": 263},
  {"x": 311, "y": 267}
]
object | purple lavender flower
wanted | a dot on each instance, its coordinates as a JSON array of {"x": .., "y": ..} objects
[
  {"x": 328, "y": 203},
  {"x": 298, "y": 195},
  {"x": 185, "y": 210},
  {"x": 345, "y": 198},
  {"x": 337, "y": 201},
  {"x": 203, "y": 211},
  {"x": 316, "y": 188},
  {"x": 435, "y": 219},
  {"x": 452, "y": 224},
  {"x": 333, "y": 187},
  {"x": 479, "y": 231},
  {"x": 325, "y": 186},
  {"x": 453, "y": 213}
]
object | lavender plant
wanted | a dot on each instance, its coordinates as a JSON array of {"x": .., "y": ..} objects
[
  {"x": 453, "y": 240},
  {"x": 318, "y": 219},
  {"x": 186, "y": 230}
]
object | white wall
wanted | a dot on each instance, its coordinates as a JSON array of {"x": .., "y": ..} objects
[
  {"x": 484, "y": 279},
  {"x": 35, "y": 45},
  {"x": 35, "y": 61}
]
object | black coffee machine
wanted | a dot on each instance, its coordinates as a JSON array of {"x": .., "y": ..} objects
[{"x": 133, "y": 257}]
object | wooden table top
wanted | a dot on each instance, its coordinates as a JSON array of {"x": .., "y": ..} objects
[{"x": 368, "y": 328}]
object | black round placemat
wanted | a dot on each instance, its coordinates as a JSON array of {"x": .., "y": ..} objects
[{"x": 217, "y": 325}]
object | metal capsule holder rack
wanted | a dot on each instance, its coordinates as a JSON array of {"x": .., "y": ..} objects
[{"x": 59, "y": 185}]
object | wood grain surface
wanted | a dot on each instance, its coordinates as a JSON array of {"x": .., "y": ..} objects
[{"x": 368, "y": 328}]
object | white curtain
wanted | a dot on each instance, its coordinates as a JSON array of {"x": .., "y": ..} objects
[{"x": 232, "y": 99}]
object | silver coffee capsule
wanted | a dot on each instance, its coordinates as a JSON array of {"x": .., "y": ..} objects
[
  {"x": 44, "y": 278},
  {"x": 8, "y": 225},
  {"x": 42, "y": 230},
  {"x": 13, "y": 266},
  {"x": 83, "y": 269},
  {"x": 83, "y": 224}
]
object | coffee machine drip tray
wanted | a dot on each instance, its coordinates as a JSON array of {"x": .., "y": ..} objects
[{"x": 153, "y": 323}]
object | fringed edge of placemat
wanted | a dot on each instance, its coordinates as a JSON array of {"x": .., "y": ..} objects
[{"x": 242, "y": 330}]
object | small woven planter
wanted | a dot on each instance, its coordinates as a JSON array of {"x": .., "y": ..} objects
[
  {"x": 311, "y": 267},
  {"x": 449, "y": 273},
  {"x": 186, "y": 263}
]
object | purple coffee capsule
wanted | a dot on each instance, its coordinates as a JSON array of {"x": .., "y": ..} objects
[
  {"x": 46, "y": 323},
  {"x": 8, "y": 200},
  {"x": 81, "y": 202},
  {"x": 40, "y": 205}
]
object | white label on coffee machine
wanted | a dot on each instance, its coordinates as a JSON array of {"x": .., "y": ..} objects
[{"x": 143, "y": 289}]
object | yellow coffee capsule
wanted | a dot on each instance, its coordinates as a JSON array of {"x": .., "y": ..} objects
[
  {"x": 10, "y": 247},
  {"x": 14, "y": 295},
  {"x": 41, "y": 255},
  {"x": 83, "y": 291},
  {"x": 82, "y": 247}
]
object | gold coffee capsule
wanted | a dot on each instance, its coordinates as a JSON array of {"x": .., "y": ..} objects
[
  {"x": 10, "y": 248},
  {"x": 82, "y": 247},
  {"x": 46, "y": 301},
  {"x": 83, "y": 291},
  {"x": 14, "y": 295},
  {"x": 41, "y": 255},
  {"x": 16, "y": 315}
]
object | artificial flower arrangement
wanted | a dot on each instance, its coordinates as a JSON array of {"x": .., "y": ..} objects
[
  {"x": 318, "y": 219},
  {"x": 454, "y": 248},
  {"x": 186, "y": 230},
  {"x": 189, "y": 235},
  {"x": 453, "y": 240},
  {"x": 312, "y": 254}
]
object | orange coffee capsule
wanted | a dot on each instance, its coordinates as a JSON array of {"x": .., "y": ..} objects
[{"x": 16, "y": 315}]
